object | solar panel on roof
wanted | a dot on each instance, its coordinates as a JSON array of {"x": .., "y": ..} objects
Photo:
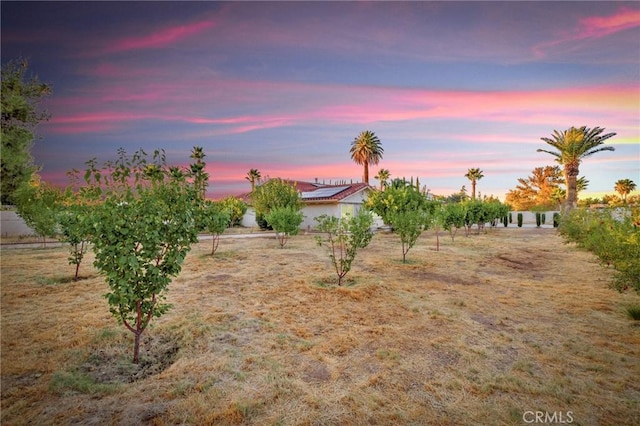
[{"x": 323, "y": 192}]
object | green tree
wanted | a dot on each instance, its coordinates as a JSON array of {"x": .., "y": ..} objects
[
  {"x": 474, "y": 175},
  {"x": 215, "y": 219},
  {"x": 200, "y": 176},
  {"x": 272, "y": 194},
  {"x": 571, "y": 146},
  {"x": 399, "y": 197},
  {"x": 366, "y": 149},
  {"x": 383, "y": 177},
  {"x": 408, "y": 225},
  {"x": 75, "y": 224},
  {"x": 285, "y": 221},
  {"x": 37, "y": 204},
  {"x": 236, "y": 208},
  {"x": 344, "y": 237},
  {"x": 21, "y": 114},
  {"x": 253, "y": 176},
  {"x": 624, "y": 187},
  {"x": 142, "y": 231},
  {"x": 453, "y": 215}
]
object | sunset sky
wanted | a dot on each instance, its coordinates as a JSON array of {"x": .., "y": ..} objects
[{"x": 285, "y": 87}]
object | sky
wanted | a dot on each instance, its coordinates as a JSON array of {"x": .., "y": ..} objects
[{"x": 285, "y": 87}]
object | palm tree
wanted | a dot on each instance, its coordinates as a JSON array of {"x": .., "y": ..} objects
[
  {"x": 474, "y": 175},
  {"x": 624, "y": 187},
  {"x": 253, "y": 176},
  {"x": 572, "y": 146},
  {"x": 200, "y": 177},
  {"x": 383, "y": 176},
  {"x": 366, "y": 149}
]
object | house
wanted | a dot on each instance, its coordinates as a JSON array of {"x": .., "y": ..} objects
[{"x": 333, "y": 200}]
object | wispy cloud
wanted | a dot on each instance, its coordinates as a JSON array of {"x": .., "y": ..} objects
[
  {"x": 162, "y": 38},
  {"x": 592, "y": 27}
]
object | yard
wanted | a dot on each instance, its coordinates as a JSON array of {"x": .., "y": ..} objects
[{"x": 495, "y": 328}]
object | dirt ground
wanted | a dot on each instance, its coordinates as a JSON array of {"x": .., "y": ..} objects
[{"x": 484, "y": 331}]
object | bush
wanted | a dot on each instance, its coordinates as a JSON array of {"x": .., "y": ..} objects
[
  {"x": 505, "y": 221},
  {"x": 634, "y": 312},
  {"x": 614, "y": 239},
  {"x": 556, "y": 220},
  {"x": 519, "y": 220},
  {"x": 538, "y": 219}
]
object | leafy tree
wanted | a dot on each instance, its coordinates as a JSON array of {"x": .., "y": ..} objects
[
  {"x": 37, "y": 203},
  {"x": 474, "y": 175},
  {"x": 537, "y": 190},
  {"x": 366, "y": 149},
  {"x": 272, "y": 194},
  {"x": 453, "y": 216},
  {"x": 408, "y": 225},
  {"x": 215, "y": 218},
  {"x": 75, "y": 224},
  {"x": 571, "y": 146},
  {"x": 383, "y": 176},
  {"x": 344, "y": 237},
  {"x": 142, "y": 231},
  {"x": 624, "y": 187},
  {"x": 253, "y": 176},
  {"x": 19, "y": 99},
  {"x": 399, "y": 197},
  {"x": 236, "y": 208},
  {"x": 285, "y": 221}
]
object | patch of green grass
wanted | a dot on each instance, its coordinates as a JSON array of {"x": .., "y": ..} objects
[
  {"x": 70, "y": 382},
  {"x": 633, "y": 312}
]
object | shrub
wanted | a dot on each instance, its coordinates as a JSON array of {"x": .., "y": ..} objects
[
  {"x": 344, "y": 237},
  {"x": 538, "y": 219},
  {"x": 556, "y": 219},
  {"x": 519, "y": 220},
  {"x": 285, "y": 221},
  {"x": 505, "y": 221},
  {"x": 236, "y": 209},
  {"x": 544, "y": 218},
  {"x": 634, "y": 312}
]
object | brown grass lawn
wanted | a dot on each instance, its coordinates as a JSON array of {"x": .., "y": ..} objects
[{"x": 479, "y": 333}]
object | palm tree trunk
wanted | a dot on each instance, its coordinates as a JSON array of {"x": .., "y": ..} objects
[
  {"x": 571, "y": 178},
  {"x": 473, "y": 189},
  {"x": 366, "y": 172}
]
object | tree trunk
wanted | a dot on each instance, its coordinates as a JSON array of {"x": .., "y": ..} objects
[
  {"x": 571, "y": 172},
  {"x": 366, "y": 172},
  {"x": 136, "y": 347},
  {"x": 473, "y": 189}
]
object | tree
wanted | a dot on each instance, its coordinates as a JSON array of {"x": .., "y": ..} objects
[
  {"x": 383, "y": 176},
  {"x": 37, "y": 203},
  {"x": 143, "y": 228},
  {"x": 344, "y": 237},
  {"x": 215, "y": 219},
  {"x": 399, "y": 197},
  {"x": 453, "y": 215},
  {"x": 20, "y": 100},
  {"x": 536, "y": 190},
  {"x": 571, "y": 146},
  {"x": 200, "y": 176},
  {"x": 624, "y": 187},
  {"x": 474, "y": 175},
  {"x": 75, "y": 224},
  {"x": 408, "y": 225},
  {"x": 236, "y": 208},
  {"x": 253, "y": 176},
  {"x": 285, "y": 221},
  {"x": 366, "y": 149},
  {"x": 271, "y": 194}
]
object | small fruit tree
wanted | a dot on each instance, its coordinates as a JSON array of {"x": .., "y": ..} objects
[
  {"x": 143, "y": 228},
  {"x": 344, "y": 237},
  {"x": 215, "y": 219},
  {"x": 285, "y": 221}
]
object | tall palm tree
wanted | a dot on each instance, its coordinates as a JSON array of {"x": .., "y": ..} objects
[
  {"x": 572, "y": 146},
  {"x": 253, "y": 176},
  {"x": 200, "y": 177},
  {"x": 366, "y": 149},
  {"x": 474, "y": 175},
  {"x": 383, "y": 176},
  {"x": 624, "y": 187}
]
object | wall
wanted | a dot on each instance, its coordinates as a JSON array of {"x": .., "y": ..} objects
[{"x": 12, "y": 225}]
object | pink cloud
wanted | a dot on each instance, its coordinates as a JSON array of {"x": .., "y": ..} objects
[
  {"x": 593, "y": 27},
  {"x": 160, "y": 38}
]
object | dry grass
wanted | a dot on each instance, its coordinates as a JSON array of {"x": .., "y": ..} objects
[{"x": 478, "y": 333}]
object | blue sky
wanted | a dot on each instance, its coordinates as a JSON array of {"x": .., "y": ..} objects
[{"x": 285, "y": 87}]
